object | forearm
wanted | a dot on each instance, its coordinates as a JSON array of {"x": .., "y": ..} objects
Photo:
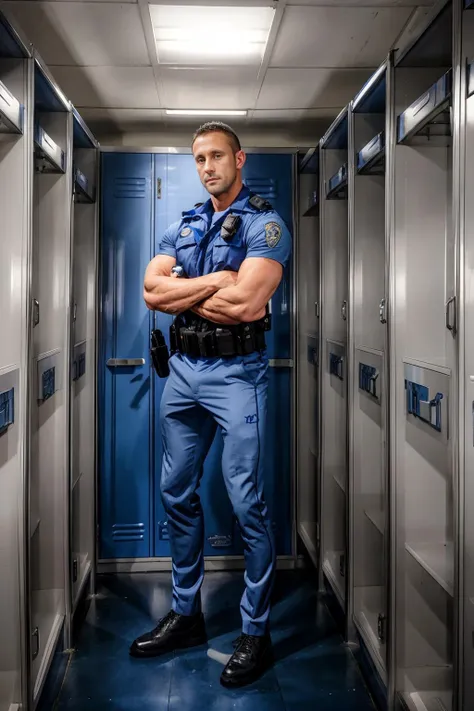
[
  {"x": 170, "y": 295},
  {"x": 230, "y": 306}
]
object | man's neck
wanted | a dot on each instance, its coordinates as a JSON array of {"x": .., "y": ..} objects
[{"x": 222, "y": 202}]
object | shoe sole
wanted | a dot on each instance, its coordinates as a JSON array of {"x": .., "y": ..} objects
[
  {"x": 185, "y": 644},
  {"x": 268, "y": 663}
]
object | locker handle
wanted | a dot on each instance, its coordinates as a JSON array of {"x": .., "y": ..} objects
[
  {"x": 344, "y": 310},
  {"x": 451, "y": 320},
  {"x": 36, "y": 312},
  {"x": 35, "y": 636},
  {"x": 316, "y": 308},
  {"x": 383, "y": 318},
  {"x": 125, "y": 362}
]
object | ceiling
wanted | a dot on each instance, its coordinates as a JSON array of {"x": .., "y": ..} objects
[{"x": 103, "y": 55}]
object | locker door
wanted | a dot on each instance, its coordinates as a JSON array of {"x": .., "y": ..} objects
[
  {"x": 177, "y": 188},
  {"x": 125, "y": 437}
]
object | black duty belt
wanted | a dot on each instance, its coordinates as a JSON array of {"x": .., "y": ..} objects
[{"x": 201, "y": 338}]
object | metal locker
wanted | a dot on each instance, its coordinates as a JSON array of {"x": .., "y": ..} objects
[
  {"x": 83, "y": 363},
  {"x": 334, "y": 356},
  {"x": 307, "y": 285},
  {"x": 368, "y": 471},
  {"x": 423, "y": 367},
  {"x": 16, "y": 148},
  {"x": 464, "y": 157},
  {"x": 49, "y": 592}
]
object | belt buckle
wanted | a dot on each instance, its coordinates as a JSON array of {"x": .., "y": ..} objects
[
  {"x": 190, "y": 342},
  {"x": 206, "y": 343}
]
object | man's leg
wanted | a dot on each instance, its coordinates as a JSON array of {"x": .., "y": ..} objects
[
  {"x": 187, "y": 433},
  {"x": 236, "y": 394}
]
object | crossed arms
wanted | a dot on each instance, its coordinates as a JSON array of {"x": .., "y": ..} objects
[{"x": 222, "y": 297}]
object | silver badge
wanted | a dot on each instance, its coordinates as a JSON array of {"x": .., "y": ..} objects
[
  {"x": 186, "y": 231},
  {"x": 272, "y": 233}
]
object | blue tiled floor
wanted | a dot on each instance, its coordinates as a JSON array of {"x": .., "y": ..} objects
[{"x": 313, "y": 669}]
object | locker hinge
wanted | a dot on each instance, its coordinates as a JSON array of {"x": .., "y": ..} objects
[{"x": 158, "y": 188}]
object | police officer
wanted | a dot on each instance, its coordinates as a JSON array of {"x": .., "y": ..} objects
[{"x": 232, "y": 250}]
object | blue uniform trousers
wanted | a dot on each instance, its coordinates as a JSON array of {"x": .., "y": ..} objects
[{"x": 199, "y": 395}]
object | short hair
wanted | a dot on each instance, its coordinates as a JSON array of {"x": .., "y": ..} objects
[{"x": 218, "y": 127}]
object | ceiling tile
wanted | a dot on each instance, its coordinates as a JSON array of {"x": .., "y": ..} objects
[
  {"x": 208, "y": 88},
  {"x": 83, "y": 33},
  {"x": 337, "y": 36},
  {"x": 123, "y": 87},
  {"x": 310, "y": 88},
  {"x": 284, "y": 116}
]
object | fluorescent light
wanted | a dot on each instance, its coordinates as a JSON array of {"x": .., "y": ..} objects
[
  {"x": 204, "y": 112},
  {"x": 190, "y": 34}
]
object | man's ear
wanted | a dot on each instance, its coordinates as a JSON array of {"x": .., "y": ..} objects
[{"x": 240, "y": 159}]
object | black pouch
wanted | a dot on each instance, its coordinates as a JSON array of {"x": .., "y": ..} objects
[{"x": 159, "y": 353}]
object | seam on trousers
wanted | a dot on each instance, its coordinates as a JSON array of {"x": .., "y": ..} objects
[{"x": 259, "y": 503}]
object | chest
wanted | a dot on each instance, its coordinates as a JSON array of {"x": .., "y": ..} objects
[{"x": 202, "y": 251}]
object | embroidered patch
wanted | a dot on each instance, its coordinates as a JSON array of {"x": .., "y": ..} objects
[
  {"x": 251, "y": 419},
  {"x": 185, "y": 232},
  {"x": 272, "y": 233}
]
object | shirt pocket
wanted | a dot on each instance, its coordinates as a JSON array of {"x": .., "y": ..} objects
[
  {"x": 185, "y": 247},
  {"x": 228, "y": 254}
]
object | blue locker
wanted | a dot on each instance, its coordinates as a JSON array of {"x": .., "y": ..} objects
[
  {"x": 171, "y": 185},
  {"x": 125, "y": 434}
]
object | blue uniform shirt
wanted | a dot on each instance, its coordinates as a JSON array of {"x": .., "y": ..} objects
[{"x": 198, "y": 246}]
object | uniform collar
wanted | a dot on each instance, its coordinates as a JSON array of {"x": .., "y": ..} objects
[{"x": 240, "y": 204}]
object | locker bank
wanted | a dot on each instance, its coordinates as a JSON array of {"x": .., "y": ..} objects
[{"x": 357, "y": 120}]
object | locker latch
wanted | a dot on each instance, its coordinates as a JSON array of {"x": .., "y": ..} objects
[
  {"x": 7, "y": 410},
  {"x": 74, "y": 570},
  {"x": 382, "y": 627},
  {"x": 36, "y": 640},
  {"x": 342, "y": 565},
  {"x": 336, "y": 365},
  {"x": 368, "y": 377},
  {"x": 420, "y": 405},
  {"x": 158, "y": 188}
]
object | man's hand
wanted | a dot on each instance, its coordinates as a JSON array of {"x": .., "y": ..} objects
[
  {"x": 166, "y": 293},
  {"x": 244, "y": 301}
]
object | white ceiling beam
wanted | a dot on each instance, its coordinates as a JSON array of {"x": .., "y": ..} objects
[
  {"x": 151, "y": 47},
  {"x": 278, "y": 17}
]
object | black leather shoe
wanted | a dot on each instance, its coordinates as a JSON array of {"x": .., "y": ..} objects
[
  {"x": 252, "y": 657},
  {"x": 172, "y": 632}
]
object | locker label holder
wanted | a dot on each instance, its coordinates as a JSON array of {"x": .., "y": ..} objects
[
  {"x": 368, "y": 380},
  {"x": 421, "y": 406}
]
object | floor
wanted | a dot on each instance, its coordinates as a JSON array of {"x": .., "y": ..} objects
[{"x": 313, "y": 669}]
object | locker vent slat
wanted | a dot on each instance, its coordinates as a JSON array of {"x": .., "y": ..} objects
[
  {"x": 130, "y": 187},
  {"x": 128, "y": 532}
]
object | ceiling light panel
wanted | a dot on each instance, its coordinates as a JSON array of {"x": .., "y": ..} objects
[
  {"x": 187, "y": 35},
  {"x": 204, "y": 112}
]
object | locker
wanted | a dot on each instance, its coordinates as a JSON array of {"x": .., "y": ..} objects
[
  {"x": 84, "y": 219},
  {"x": 423, "y": 369},
  {"x": 48, "y": 530},
  {"x": 142, "y": 195},
  {"x": 368, "y": 401},
  {"x": 15, "y": 175},
  {"x": 334, "y": 358}
]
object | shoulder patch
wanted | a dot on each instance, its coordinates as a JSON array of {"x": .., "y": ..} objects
[
  {"x": 185, "y": 232},
  {"x": 272, "y": 233}
]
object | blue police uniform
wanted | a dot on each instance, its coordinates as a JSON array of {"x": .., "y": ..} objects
[{"x": 203, "y": 393}]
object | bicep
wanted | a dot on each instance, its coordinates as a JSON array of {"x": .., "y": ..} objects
[{"x": 259, "y": 278}]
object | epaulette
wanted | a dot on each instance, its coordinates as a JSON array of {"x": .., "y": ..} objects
[
  {"x": 259, "y": 203},
  {"x": 199, "y": 204}
]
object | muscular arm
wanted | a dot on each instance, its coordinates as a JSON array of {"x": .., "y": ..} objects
[
  {"x": 165, "y": 293},
  {"x": 257, "y": 281}
]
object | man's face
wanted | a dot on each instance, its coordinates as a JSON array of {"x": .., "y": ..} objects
[{"x": 217, "y": 164}]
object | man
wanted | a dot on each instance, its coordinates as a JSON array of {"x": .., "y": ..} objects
[{"x": 232, "y": 250}]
